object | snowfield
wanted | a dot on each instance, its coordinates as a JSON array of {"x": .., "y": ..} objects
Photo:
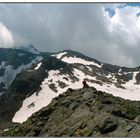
[
  {"x": 74, "y": 59},
  {"x": 38, "y": 100},
  {"x": 42, "y": 98}
]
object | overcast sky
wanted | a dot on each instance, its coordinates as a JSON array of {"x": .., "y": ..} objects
[{"x": 107, "y": 32}]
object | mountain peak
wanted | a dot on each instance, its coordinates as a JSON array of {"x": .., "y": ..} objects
[{"x": 30, "y": 49}]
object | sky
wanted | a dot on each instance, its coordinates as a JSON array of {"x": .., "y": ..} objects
[{"x": 107, "y": 32}]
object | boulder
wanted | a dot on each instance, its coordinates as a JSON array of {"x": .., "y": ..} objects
[
  {"x": 88, "y": 95},
  {"x": 107, "y": 125},
  {"x": 137, "y": 119}
]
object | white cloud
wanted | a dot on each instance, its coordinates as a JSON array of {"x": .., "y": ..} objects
[
  {"x": 6, "y": 39},
  {"x": 124, "y": 28},
  {"x": 83, "y": 27}
]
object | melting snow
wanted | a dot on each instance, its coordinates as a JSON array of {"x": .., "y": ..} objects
[
  {"x": 74, "y": 59},
  {"x": 59, "y": 55},
  {"x": 132, "y": 91},
  {"x": 6, "y": 130},
  {"x": 45, "y": 95},
  {"x": 89, "y": 68},
  {"x": 10, "y": 72},
  {"x": 43, "y": 98},
  {"x": 38, "y": 66},
  {"x": 2, "y": 64},
  {"x": 120, "y": 70},
  {"x": 21, "y": 54}
]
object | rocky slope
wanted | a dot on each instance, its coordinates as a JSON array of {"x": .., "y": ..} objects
[
  {"x": 12, "y": 62},
  {"x": 83, "y": 113},
  {"x": 50, "y": 74}
]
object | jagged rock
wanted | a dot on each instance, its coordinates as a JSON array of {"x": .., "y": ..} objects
[
  {"x": 70, "y": 90},
  {"x": 137, "y": 119},
  {"x": 66, "y": 103},
  {"x": 108, "y": 125},
  {"x": 119, "y": 113},
  {"x": 130, "y": 127},
  {"x": 74, "y": 105},
  {"x": 88, "y": 95},
  {"x": 106, "y": 102},
  {"x": 86, "y": 132},
  {"x": 82, "y": 113}
]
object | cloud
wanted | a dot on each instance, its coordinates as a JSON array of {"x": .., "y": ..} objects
[
  {"x": 87, "y": 28},
  {"x": 125, "y": 28},
  {"x": 6, "y": 39}
]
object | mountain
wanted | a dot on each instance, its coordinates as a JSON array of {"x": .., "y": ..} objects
[
  {"x": 12, "y": 62},
  {"x": 52, "y": 74},
  {"x": 82, "y": 113},
  {"x": 30, "y": 49}
]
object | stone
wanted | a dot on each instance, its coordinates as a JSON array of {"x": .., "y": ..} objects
[
  {"x": 65, "y": 103},
  {"x": 86, "y": 132},
  {"x": 70, "y": 90},
  {"x": 108, "y": 125},
  {"x": 129, "y": 127},
  {"x": 106, "y": 102},
  {"x": 137, "y": 119},
  {"x": 88, "y": 95},
  {"x": 83, "y": 113},
  {"x": 39, "y": 123},
  {"x": 73, "y": 105}
]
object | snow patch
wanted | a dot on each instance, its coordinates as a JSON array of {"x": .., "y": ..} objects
[
  {"x": 21, "y": 54},
  {"x": 42, "y": 98},
  {"x": 120, "y": 70},
  {"x": 58, "y": 56},
  {"x": 10, "y": 72},
  {"x": 131, "y": 92},
  {"x": 45, "y": 95},
  {"x": 38, "y": 66},
  {"x": 6, "y": 129},
  {"x": 1, "y": 93},
  {"x": 2, "y": 64},
  {"x": 74, "y": 59},
  {"x": 89, "y": 68}
]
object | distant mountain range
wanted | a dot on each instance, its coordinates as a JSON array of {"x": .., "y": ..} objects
[{"x": 30, "y": 79}]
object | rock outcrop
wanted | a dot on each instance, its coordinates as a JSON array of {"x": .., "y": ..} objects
[{"x": 82, "y": 113}]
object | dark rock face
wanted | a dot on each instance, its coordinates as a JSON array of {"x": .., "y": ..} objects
[
  {"x": 138, "y": 78},
  {"x": 2, "y": 70},
  {"x": 2, "y": 86},
  {"x": 25, "y": 84},
  {"x": 108, "y": 125},
  {"x": 11, "y": 57},
  {"x": 82, "y": 113}
]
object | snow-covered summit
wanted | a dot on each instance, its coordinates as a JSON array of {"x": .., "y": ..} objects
[{"x": 73, "y": 57}]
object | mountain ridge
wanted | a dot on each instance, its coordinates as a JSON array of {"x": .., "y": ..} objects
[
  {"x": 54, "y": 73},
  {"x": 82, "y": 113}
]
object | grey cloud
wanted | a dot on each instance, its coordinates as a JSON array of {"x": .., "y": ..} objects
[{"x": 55, "y": 27}]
